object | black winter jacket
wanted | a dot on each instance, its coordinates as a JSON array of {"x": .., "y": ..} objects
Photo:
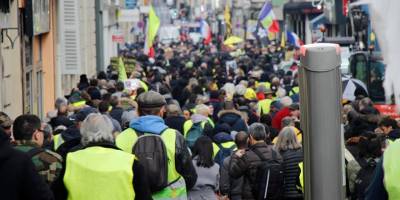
[
  {"x": 247, "y": 166},
  {"x": 19, "y": 179},
  {"x": 291, "y": 160},
  {"x": 228, "y": 185},
  {"x": 233, "y": 118}
]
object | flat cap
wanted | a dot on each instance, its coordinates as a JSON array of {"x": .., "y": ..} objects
[{"x": 151, "y": 99}]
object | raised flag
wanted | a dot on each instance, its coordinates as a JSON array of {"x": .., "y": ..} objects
[
  {"x": 121, "y": 70},
  {"x": 283, "y": 40},
  {"x": 205, "y": 32},
  {"x": 227, "y": 18},
  {"x": 267, "y": 18},
  {"x": 293, "y": 39},
  {"x": 153, "y": 24}
]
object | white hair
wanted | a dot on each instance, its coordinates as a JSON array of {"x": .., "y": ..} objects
[
  {"x": 287, "y": 140},
  {"x": 240, "y": 89},
  {"x": 286, "y": 101},
  {"x": 202, "y": 110},
  {"x": 96, "y": 128},
  {"x": 229, "y": 89}
]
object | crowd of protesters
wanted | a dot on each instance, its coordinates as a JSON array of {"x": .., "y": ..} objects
[{"x": 195, "y": 126}]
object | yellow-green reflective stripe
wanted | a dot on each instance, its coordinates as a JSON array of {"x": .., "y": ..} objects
[
  {"x": 58, "y": 141},
  {"x": 301, "y": 176},
  {"x": 228, "y": 145},
  {"x": 294, "y": 90},
  {"x": 391, "y": 168},
  {"x": 186, "y": 127},
  {"x": 264, "y": 106},
  {"x": 211, "y": 122},
  {"x": 175, "y": 191},
  {"x": 215, "y": 149},
  {"x": 144, "y": 86},
  {"x": 126, "y": 139},
  {"x": 79, "y": 103}
]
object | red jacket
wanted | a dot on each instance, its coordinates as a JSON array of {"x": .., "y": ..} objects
[{"x": 276, "y": 121}]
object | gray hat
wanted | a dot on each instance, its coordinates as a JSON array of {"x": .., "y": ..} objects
[{"x": 151, "y": 99}]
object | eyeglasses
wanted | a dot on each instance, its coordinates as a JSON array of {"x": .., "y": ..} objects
[{"x": 41, "y": 130}]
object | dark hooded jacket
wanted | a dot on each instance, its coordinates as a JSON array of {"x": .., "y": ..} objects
[
  {"x": 233, "y": 118},
  {"x": 394, "y": 134},
  {"x": 246, "y": 166},
  {"x": 19, "y": 179}
]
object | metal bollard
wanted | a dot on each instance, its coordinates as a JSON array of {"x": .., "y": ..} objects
[{"x": 320, "y": 95}]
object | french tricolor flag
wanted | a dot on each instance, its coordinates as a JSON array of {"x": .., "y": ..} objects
[
  {"x": 205, "y": 32},
  {"x": 293, "y": 39}
]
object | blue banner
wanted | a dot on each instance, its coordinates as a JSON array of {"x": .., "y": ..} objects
[{"x": 130, "y": 4}]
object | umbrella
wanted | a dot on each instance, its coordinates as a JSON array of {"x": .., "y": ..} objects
[
  {"x": 233, "y": 40},
  {"x": 350, "y": 86}
]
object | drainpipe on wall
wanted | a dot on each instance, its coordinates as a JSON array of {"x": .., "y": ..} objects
[{"x": 99, "y": 36}]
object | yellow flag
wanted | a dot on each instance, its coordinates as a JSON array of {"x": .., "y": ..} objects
[
  {"x": 153, "y": 24},
  {"x": 283, "y": 39},
  {"x": 227, "y": 17},
  {"x": 121, "y": 70}
]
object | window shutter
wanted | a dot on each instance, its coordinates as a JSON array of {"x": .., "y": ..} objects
[{"x": 69, "y": 37}]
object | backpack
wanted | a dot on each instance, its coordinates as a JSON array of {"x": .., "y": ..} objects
[
  {"x": 34, "y": 151},
  {"x": 364, "y": 177},
  {"x": 194, "y": 133},
  {"x": 269, "y": 178},
  {"x": 223, "y": 153},
  {"x": 150, "y": 149}
]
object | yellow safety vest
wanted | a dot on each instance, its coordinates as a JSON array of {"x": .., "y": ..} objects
[
  {"x": 227, "y": 145},
  {"x": 57, "y": 141},
  {"x": 188, "y": 125},
  {"x": 144, "y": 86},
  {"x": 266, "y": 84},
  {"x": 99, "y": 173},
  {"x": 264, "y": 106},
  {"x": 79, "y": 103},
  {"x": 295, "y": 90},
  {"x": 301, "y": 176},
  {"x": 126, "y": 141},
  {"x": 250, "y": 94},
  {"x": 391, "y": 168}
]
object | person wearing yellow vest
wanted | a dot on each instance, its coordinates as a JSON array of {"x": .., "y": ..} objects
[
  {"x": 100, "y": 170},
  {"x": 385, "y": 183},
  {"x": 201, "y": 113},
  {"x": 250, "y": 94},
  {"x": 263, "y": 106},
  {"x": 180, "y": 168},
  {"x": 390, "y": 129},
  {"x": 223, "y": 144},
  {"x": 289, "y": 122},
  {"x": 66, "y": 140}
]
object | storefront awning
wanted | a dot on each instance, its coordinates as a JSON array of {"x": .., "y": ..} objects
[{"x": 301, "y": 8}]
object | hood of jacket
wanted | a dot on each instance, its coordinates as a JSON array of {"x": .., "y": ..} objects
[
  {"x": 149, "y": 124},
  {"x": 196, "y": 118},
  {"x": 71, "y": 133},
  {"x": 222, "y": 137},
  {"x": 230, "y": 116},
  {"x": 394, "y": 134}
]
